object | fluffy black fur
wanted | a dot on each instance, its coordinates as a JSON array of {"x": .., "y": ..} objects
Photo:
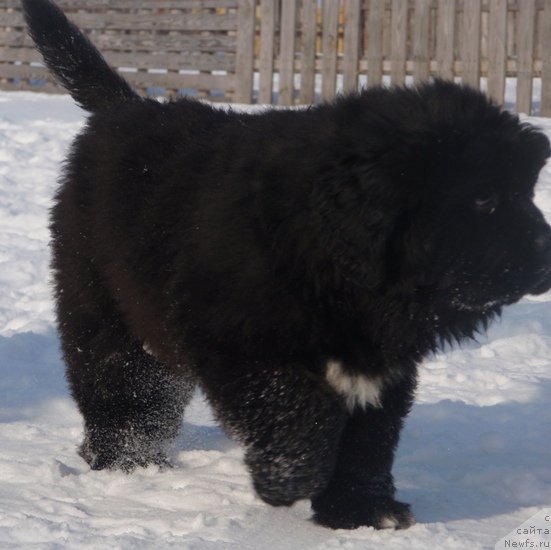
[{"x": 252, "y": 254}]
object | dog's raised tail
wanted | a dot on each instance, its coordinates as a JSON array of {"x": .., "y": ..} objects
[{"x": 73, "y": 59}]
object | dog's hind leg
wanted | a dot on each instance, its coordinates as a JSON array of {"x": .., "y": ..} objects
[
  {"x": 134, "y": 412},
  {"x": 132, "y": 403}
]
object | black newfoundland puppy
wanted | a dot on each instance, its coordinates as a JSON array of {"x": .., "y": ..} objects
[{"x": 297, "y": 265}]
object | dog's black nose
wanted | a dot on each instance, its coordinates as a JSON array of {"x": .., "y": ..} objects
[
  {"x": 543, "y": 247},
  {"x": 543, "y": 243}
]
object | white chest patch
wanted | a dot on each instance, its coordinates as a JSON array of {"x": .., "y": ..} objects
[
  {"x": 357, "y": 389},
  {"x": 147, "y": 348}
]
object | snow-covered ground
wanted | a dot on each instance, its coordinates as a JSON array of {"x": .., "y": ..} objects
[{"x": 474, "y": 460}]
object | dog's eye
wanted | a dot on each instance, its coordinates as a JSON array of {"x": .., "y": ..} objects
[{"x": 486, "y": 205}]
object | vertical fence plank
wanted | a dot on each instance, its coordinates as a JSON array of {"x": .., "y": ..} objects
[
  {"x": 375, "y": 42},
  {"x": 497, "y": 49},
  {"x": 329, "y": 49},
  {"x": 308, "y": 53},
  {"x": 244, "y": 62},
  {"x": 421, "y": 37},
  {"x": 287, "y": 52},
  {"x": 399, "y": 43},
  {"x": 266, "y": 59},
  {"x": 470, "y": 51},
  {"x": 352, "y": 25},
  {"x": 445, "y": 38},
  {"x": 525, "y": 57},
  {"x": 545, "y": 109}
]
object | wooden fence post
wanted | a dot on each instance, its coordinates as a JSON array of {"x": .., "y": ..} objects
[
  {"x": 287, "y": 52},
  {"x": 352, "y": 25},
  {"x": 244, "y": 62},
  {"x": 545, "y": 109},
  {"x": 375, "y": 42},
  {"x": 470, "y": 51},
  {"x": 421, "y": 26},
  {"x": 398, "y": 45},
  {"x": 308, "y": 52},
  {"x": 497, "y": 49},
  {"x": 329, "y": 49},
  {"x": 266, "y": 59},
  {"x": 525, "y": 61},
  {"x": 445, "y": 38}
]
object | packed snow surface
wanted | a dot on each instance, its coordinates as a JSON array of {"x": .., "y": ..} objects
[{"x": 474, "y": 460}]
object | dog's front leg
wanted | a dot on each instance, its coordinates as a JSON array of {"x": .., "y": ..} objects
[
  {"x": 361, "y": 490},
  {"x": 288, "y": 419}
]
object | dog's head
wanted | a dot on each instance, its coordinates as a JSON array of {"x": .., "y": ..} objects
[
  {"x": 434, "y": 195},
  {"x": 488, "y": 243}
]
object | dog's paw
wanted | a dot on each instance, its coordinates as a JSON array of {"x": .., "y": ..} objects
[
  {"x": 380, "y": 513},
  {"x": 285, "y": 491},
  {"x": 121, "y": 459}
]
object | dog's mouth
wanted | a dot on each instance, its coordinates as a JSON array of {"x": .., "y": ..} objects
[
  {"x": 489, "y": 291},
  {"x": 460, "y": 304},
  {"x": 483, "y": 300},
  {"x": 543, "y": 283},
  {"x": 465, "y": 298}
]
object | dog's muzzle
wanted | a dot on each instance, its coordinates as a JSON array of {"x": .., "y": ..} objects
[{"x": 543, "y": 275}]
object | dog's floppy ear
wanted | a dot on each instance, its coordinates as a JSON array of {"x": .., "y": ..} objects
[
  {"x": 356, "y": 209},
  {"x": 535, "y": 149}
]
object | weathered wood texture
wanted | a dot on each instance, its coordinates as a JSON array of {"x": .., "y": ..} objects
[
  {"x": 301, "y": 51},
  {"x": 163, "y": 47}
]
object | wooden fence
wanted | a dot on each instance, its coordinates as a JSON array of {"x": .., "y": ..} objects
[{"x": 302, "y": 51}]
